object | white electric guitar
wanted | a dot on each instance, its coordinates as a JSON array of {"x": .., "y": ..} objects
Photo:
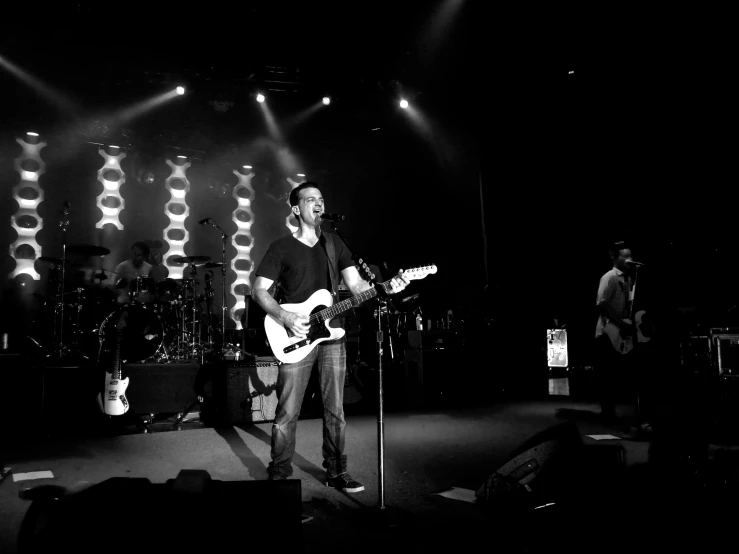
[
  {"x": 112, "y": 401},
  {"x": 290, "y": 349},
  {"x": 623, "y": 344}
]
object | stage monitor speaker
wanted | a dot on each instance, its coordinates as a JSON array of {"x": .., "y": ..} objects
[
  {"x": 192, "y": 513},
  {"x": 242, "y": 392}
]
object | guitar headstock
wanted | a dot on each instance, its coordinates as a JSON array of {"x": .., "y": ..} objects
[{"x": 419, "y": 272}]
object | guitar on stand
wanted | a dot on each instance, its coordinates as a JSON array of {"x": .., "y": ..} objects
[
  {"x": 112, "y": 400},
  {"x": 320, "y": 310}
]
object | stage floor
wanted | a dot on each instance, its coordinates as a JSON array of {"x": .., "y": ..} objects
[{"x": 425, "y": 453}]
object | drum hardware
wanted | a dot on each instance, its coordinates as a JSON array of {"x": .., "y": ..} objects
[
  {"x": 224, "y": 240},
  {"x": 190, "y": 259}
]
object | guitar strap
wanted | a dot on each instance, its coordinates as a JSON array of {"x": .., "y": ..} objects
[
  {"x": 330, "y": 247},
  {"x": 333, "y": 270}
]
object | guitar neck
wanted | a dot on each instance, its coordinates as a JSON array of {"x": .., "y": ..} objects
[
  {"x": 344, "y": 305},
  {"x": 116, "y": 373}
]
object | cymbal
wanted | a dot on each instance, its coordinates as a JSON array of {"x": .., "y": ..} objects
[
  {"x": 190, "y": 259},
  {"x": 51, "y": 259},
  {"x": 212, "y": 264},
  {"x": 88, "y": 250}
]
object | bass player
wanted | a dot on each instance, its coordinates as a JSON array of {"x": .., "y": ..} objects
[
  {"x": 614, "y": 366},
  {"x": 303, "y": 264}
]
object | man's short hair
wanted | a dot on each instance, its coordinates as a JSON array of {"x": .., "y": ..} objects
[
  {"x": 141, "y": 245},
  {"x": 615, "y": 247},
  {"x": 295, "y": 193}
]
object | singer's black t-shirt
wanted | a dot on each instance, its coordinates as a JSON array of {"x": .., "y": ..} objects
[{"x": 301, "y": 269}]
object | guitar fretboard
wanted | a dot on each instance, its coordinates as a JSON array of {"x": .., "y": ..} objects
[{"x": 344, "y": 305}]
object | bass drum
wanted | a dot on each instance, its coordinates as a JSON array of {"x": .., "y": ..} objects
[{"x": 143, "y": 334}]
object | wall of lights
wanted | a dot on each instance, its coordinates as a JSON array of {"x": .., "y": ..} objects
[
  {"x": 290, "y": 216},
  {"x": 26, "y": 221},
  {"x": 243, "y": 241},
  {"x": 175, "y": 234},
  {"x": 110, "y": 201}
]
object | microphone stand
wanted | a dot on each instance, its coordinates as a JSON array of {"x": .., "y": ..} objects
[
  {"x": 64, "y": 223},
  {"x": 224, "y": 240},
  {"x": 386, "y": 516}
]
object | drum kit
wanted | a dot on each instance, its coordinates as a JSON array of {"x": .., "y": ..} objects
[{"x": 168, "y": 321}]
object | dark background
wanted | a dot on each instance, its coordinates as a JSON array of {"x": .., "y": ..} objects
[{"x": 634, "y": 144}]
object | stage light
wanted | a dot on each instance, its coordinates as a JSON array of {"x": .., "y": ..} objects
[
  {"x": 404, "y": 103},
  {"x": 109, "y": 201},
  {"x": 148, "y": 178},
  {"x": 176, "y": 234},
  {"x": 180, "y": 90},
  {"x": 291, "y": 217},
  {"x": 260, "y": 97},
  {"x": 243, "y": 241},
  {"x": 26, "y": 221},
  {"x": 326, "y": 100}
]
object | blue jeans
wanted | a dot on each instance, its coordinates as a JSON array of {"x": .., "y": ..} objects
[{"x": 292, "y": 381}]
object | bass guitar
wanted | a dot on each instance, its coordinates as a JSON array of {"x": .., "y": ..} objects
[
  {"x": 112, "y": 401},
  {"x": 320, "y": 309}
]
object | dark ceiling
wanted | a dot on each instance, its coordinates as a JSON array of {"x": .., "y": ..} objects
[{"x": 640, "y": 124}]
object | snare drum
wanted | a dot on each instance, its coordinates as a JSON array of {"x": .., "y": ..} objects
[
  {"x": 143, "y": 290},
  {"x": 142, "y": 336}
]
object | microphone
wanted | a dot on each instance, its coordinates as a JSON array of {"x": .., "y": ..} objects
[
  {"x": 204, "y": 221},
  {"x": 633, "y": 262},
  {"x": 333, "y": 217}
]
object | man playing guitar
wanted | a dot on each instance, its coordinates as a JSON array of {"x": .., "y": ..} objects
[
  {"x": 301, "y": 262},
  {"x": 614, "y": 330}
]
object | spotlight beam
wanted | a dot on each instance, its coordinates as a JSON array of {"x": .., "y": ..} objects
[{"x": 51, "y": 94}]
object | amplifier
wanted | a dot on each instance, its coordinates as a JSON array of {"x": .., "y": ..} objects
[
  {"x": 435, "y": 338},
  {"x": 242, "y": 393},
  {"x": 725, "y": 343}
]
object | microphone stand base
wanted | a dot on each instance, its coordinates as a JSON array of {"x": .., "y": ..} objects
[{"x": 390, "y": 517}]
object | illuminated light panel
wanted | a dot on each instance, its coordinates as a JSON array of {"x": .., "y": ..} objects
[
  {"x": 289, "y": 225},
  {"x": 242, "y": 252},
  {"x": 111, "y": 193},
  {"x": 27, "y": 209},
  {"x": 175, "y": 234}
]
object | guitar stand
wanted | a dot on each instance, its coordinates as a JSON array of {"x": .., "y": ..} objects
[{"x": 130, "y": 418}]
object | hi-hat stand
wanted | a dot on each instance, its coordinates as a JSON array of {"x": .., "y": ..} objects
[{"x": 386, "y": 516}]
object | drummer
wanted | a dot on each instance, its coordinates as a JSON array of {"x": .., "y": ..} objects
[
  {"x": 159, "y": 271},
  {"x": 129, "y": 270}
]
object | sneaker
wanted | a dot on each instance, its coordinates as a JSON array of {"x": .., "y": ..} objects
[{"x": 344, "y": 483}]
